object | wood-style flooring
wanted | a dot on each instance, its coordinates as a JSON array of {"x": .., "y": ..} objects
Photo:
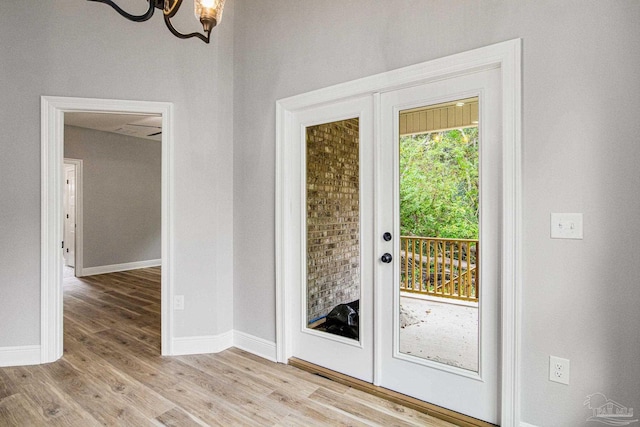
[{"x": 112, "y": 374}]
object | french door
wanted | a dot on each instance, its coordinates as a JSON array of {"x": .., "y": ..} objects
[
  {"x": 352, "y": 252},
  {"x": 429, "y": 312},
  {"x": 437, "y": 307},
  {"x": 333, "y": 252}
]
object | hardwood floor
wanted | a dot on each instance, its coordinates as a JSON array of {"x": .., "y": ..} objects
[{"x": 112, "y": 374}]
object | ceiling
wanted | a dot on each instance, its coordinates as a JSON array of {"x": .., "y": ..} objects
[{"x": 147, "y": 126}]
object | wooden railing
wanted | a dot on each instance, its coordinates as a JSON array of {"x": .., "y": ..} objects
[{"x": 440, "y": 267}]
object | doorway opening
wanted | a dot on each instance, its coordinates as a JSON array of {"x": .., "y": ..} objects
[
  {"x": 54, "y": 110},
  {"x": 115, "y": 287}
]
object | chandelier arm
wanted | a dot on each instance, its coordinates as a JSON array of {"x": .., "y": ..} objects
[
  {"x": 178, "y": 34},
  {"x": 173, "y": 9},
  {"x": 135, "y": 18}
]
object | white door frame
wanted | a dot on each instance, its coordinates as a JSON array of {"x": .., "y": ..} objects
[
  {"x": 507, "y": 57},
  {"x": 79, "y": 243},
  {"x": 52, "y": 152}
]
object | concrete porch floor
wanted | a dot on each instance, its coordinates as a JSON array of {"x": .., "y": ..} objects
[{"x": 439, "y": 329}]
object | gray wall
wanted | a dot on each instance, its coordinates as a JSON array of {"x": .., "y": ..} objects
[
  {"x": 84, "y": 49},
  {"x": 122, "y": 194},
  {"x": 581, "y": 154}
]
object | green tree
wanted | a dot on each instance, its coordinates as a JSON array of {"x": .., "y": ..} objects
[{"x": 439, "y": 184}]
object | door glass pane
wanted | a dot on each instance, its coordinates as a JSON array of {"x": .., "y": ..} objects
[
  {"x": 333, "y": 228},
  {"x": 439, "y": 227}
]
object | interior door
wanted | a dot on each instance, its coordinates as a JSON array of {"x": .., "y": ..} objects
[
  {"x": 69, "y": 201},
  {"x": 423, "y": 341},
  {"x": 333, "y": 303}
]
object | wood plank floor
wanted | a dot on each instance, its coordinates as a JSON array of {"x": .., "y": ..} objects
[{"x": 112, "y": 374}]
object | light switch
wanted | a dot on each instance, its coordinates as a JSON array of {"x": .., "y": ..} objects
[{"x": 566, "y": 226}]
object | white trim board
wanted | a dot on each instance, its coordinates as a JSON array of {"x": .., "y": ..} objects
[
  {"x": 20, "y": 356},
  {"x": 255, "y": 345},
  {"x": 31, "y": 355},
  {"x": 202, "y": 344},
  {"x": 52, "y": 148},
  {"x": 217, "y": 343},
  {"x": 114, "y": 268},
  {"x": 507, "y": 57}
]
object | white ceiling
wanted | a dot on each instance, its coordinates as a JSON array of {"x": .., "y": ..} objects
[{"x": 145, "y": 126}]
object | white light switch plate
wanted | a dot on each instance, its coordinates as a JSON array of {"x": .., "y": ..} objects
[{"x": 566, "y": 226}]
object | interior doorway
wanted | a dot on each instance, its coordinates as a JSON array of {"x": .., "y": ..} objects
[
  {"x": 119, "y": 288},
  {"x": 53, "y": 112}
]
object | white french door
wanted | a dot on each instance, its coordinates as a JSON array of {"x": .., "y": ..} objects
[
  {"x": 466, "y": 362},
  {"x": 449, "y": 356},
  {"x": 333, "y": 249}
]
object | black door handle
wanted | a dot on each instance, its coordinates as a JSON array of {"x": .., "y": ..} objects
[
  {"x": 386, "y": 236},
  {"x": 386, "y": 258}
]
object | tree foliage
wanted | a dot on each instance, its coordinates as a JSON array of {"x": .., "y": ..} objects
[{"x": 439, "y": 184}]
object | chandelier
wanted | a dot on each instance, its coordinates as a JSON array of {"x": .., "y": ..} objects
[{"x": 208, "y": 12}]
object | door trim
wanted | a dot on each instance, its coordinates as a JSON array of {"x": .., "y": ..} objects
[
  {"x": 79, "y": 217},
  {"x": 506, "y": 56},
  {"x": 52, "y": 152}
]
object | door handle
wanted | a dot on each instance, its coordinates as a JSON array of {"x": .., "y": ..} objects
[
  {"x": 386, "y": 258},
  {"x": 386, "y": 236}
]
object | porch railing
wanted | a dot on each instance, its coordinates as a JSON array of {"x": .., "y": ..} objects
[{"x": 440, "y": 267}]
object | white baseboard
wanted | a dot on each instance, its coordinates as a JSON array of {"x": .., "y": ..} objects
[
  {"x": 20, "y": 356},
  {"x": 114, "y": 268},
  {"x": 202, "y": 345},
  {"x": 252, "y": 344},
  {"x": 30, "y": 354},
  {"x": 523, "y": 424},
  {"x": 217, "y": 343}
]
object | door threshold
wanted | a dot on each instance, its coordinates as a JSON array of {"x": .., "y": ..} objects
[{"x": 390, "y": 395}]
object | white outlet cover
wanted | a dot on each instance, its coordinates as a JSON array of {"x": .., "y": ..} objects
[
  {"x": 566, "y": 226},
  {"x": 559, "y": 370}
]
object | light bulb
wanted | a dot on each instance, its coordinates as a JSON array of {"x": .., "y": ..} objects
[{"x": 208, "y": 12}]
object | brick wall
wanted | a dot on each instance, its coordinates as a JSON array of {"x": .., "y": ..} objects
[{"x": 333, "y": 216}]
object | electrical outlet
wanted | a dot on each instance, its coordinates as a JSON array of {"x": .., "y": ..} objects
[
  {"x": 559, "y": 370},
  {"x": 178, "y": 302}
]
